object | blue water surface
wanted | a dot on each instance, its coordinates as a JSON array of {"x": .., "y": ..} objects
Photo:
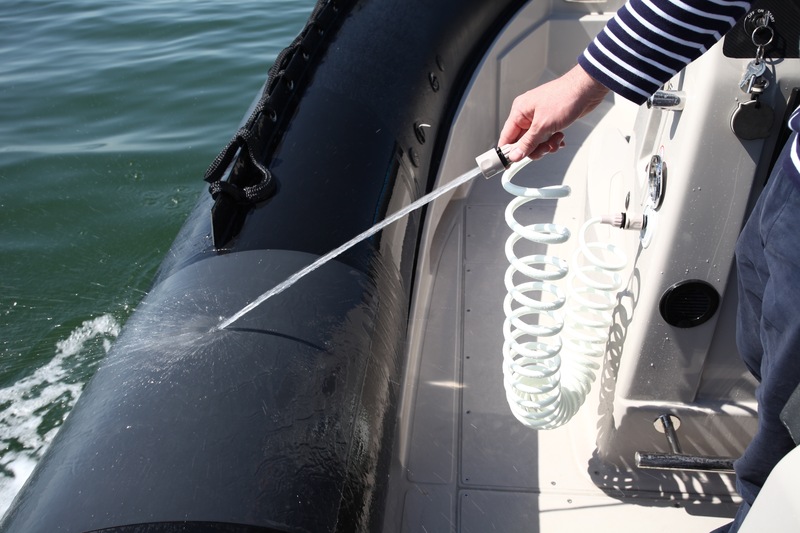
[{"x": 109, "y": 114}]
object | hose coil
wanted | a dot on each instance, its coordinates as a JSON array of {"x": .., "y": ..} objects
[{"x": 554, "y": 337}]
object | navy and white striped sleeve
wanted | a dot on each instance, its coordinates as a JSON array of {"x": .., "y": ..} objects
[{"x": 648, "y": 41}]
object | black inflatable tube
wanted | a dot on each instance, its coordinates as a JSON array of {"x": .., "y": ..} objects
[{"x": 283, "y": 422}]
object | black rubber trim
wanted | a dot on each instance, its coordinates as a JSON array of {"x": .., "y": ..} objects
[{"x": 189, "y": 527}]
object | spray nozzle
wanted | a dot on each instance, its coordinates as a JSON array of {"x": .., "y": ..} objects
[{"x": 494, "y": 160}]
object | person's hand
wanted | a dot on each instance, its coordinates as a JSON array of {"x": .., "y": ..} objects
[{"x": 538, "y": 116}]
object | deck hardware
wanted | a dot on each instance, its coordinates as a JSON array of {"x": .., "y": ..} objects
[
  {"x": 419, "y": 131},
  {"x": 434, "y": 81},
  {"x": 667, "y": 99},
  {"x": 625, "y": 220},
  {"x": 677, "y": 460},
  {"x": 414, "y": 156},
  {"x": 656, "y": 181},
  {"x": 689, "y": 303},
  {"x": 668, "y": 425}
]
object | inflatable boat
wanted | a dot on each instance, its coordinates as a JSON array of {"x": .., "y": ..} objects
[{"x": 377, "y": 393}]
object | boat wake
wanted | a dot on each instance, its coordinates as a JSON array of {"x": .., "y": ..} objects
[{"x": 33, "y": 409}]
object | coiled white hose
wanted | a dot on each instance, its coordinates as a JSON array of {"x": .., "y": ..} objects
[{"x": 554, "y": 337}]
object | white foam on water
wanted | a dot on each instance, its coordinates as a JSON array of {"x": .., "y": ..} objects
[{"x": 27, "y": 401}]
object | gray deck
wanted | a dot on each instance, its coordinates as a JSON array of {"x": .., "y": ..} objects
[
  {"x": 469, "y": 465},
  {"x": 462, "y": 462}
]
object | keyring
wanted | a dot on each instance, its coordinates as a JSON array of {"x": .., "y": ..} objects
[{"x": 770, "y": 31}]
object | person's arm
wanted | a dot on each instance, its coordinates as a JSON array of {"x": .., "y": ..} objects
[
  {"x": 538, "y": 116},
  {"x": 642, "y": 46},
  {"x": 648, "y": 41}
]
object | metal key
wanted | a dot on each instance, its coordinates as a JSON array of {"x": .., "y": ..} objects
[{"x": 755, "y": 68}]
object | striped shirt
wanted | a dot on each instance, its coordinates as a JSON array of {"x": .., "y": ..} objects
[{"x": 648, "y": 41}]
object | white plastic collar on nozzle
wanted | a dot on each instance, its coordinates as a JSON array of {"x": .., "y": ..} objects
[{"x": 493, "y": 161}]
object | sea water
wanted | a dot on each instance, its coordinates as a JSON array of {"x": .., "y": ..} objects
[
  {"x": 294, "y": 278},
  {"x": 111, "y": 111}
]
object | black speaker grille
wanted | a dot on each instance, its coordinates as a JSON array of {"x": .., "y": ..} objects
[{"x": 689, "y": 303}]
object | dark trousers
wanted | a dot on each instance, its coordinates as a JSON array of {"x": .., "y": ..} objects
[{"x": 768, "y": 323}]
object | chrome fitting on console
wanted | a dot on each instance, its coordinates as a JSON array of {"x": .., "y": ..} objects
[
  {"x": 667, "y": 99},
  {"x": 625, "y": 221}
]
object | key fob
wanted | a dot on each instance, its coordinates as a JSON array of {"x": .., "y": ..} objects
[{"x": 752, "y": 120}]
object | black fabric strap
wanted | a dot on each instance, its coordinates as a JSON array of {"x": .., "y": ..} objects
[
  {"x": 241, "y": 144},
  {"x": 244, "y": 142}
]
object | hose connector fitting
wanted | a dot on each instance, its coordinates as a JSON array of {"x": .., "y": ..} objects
[
  {"x": 625, "y": 221},
  {"x": 494, "y": 161}
]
